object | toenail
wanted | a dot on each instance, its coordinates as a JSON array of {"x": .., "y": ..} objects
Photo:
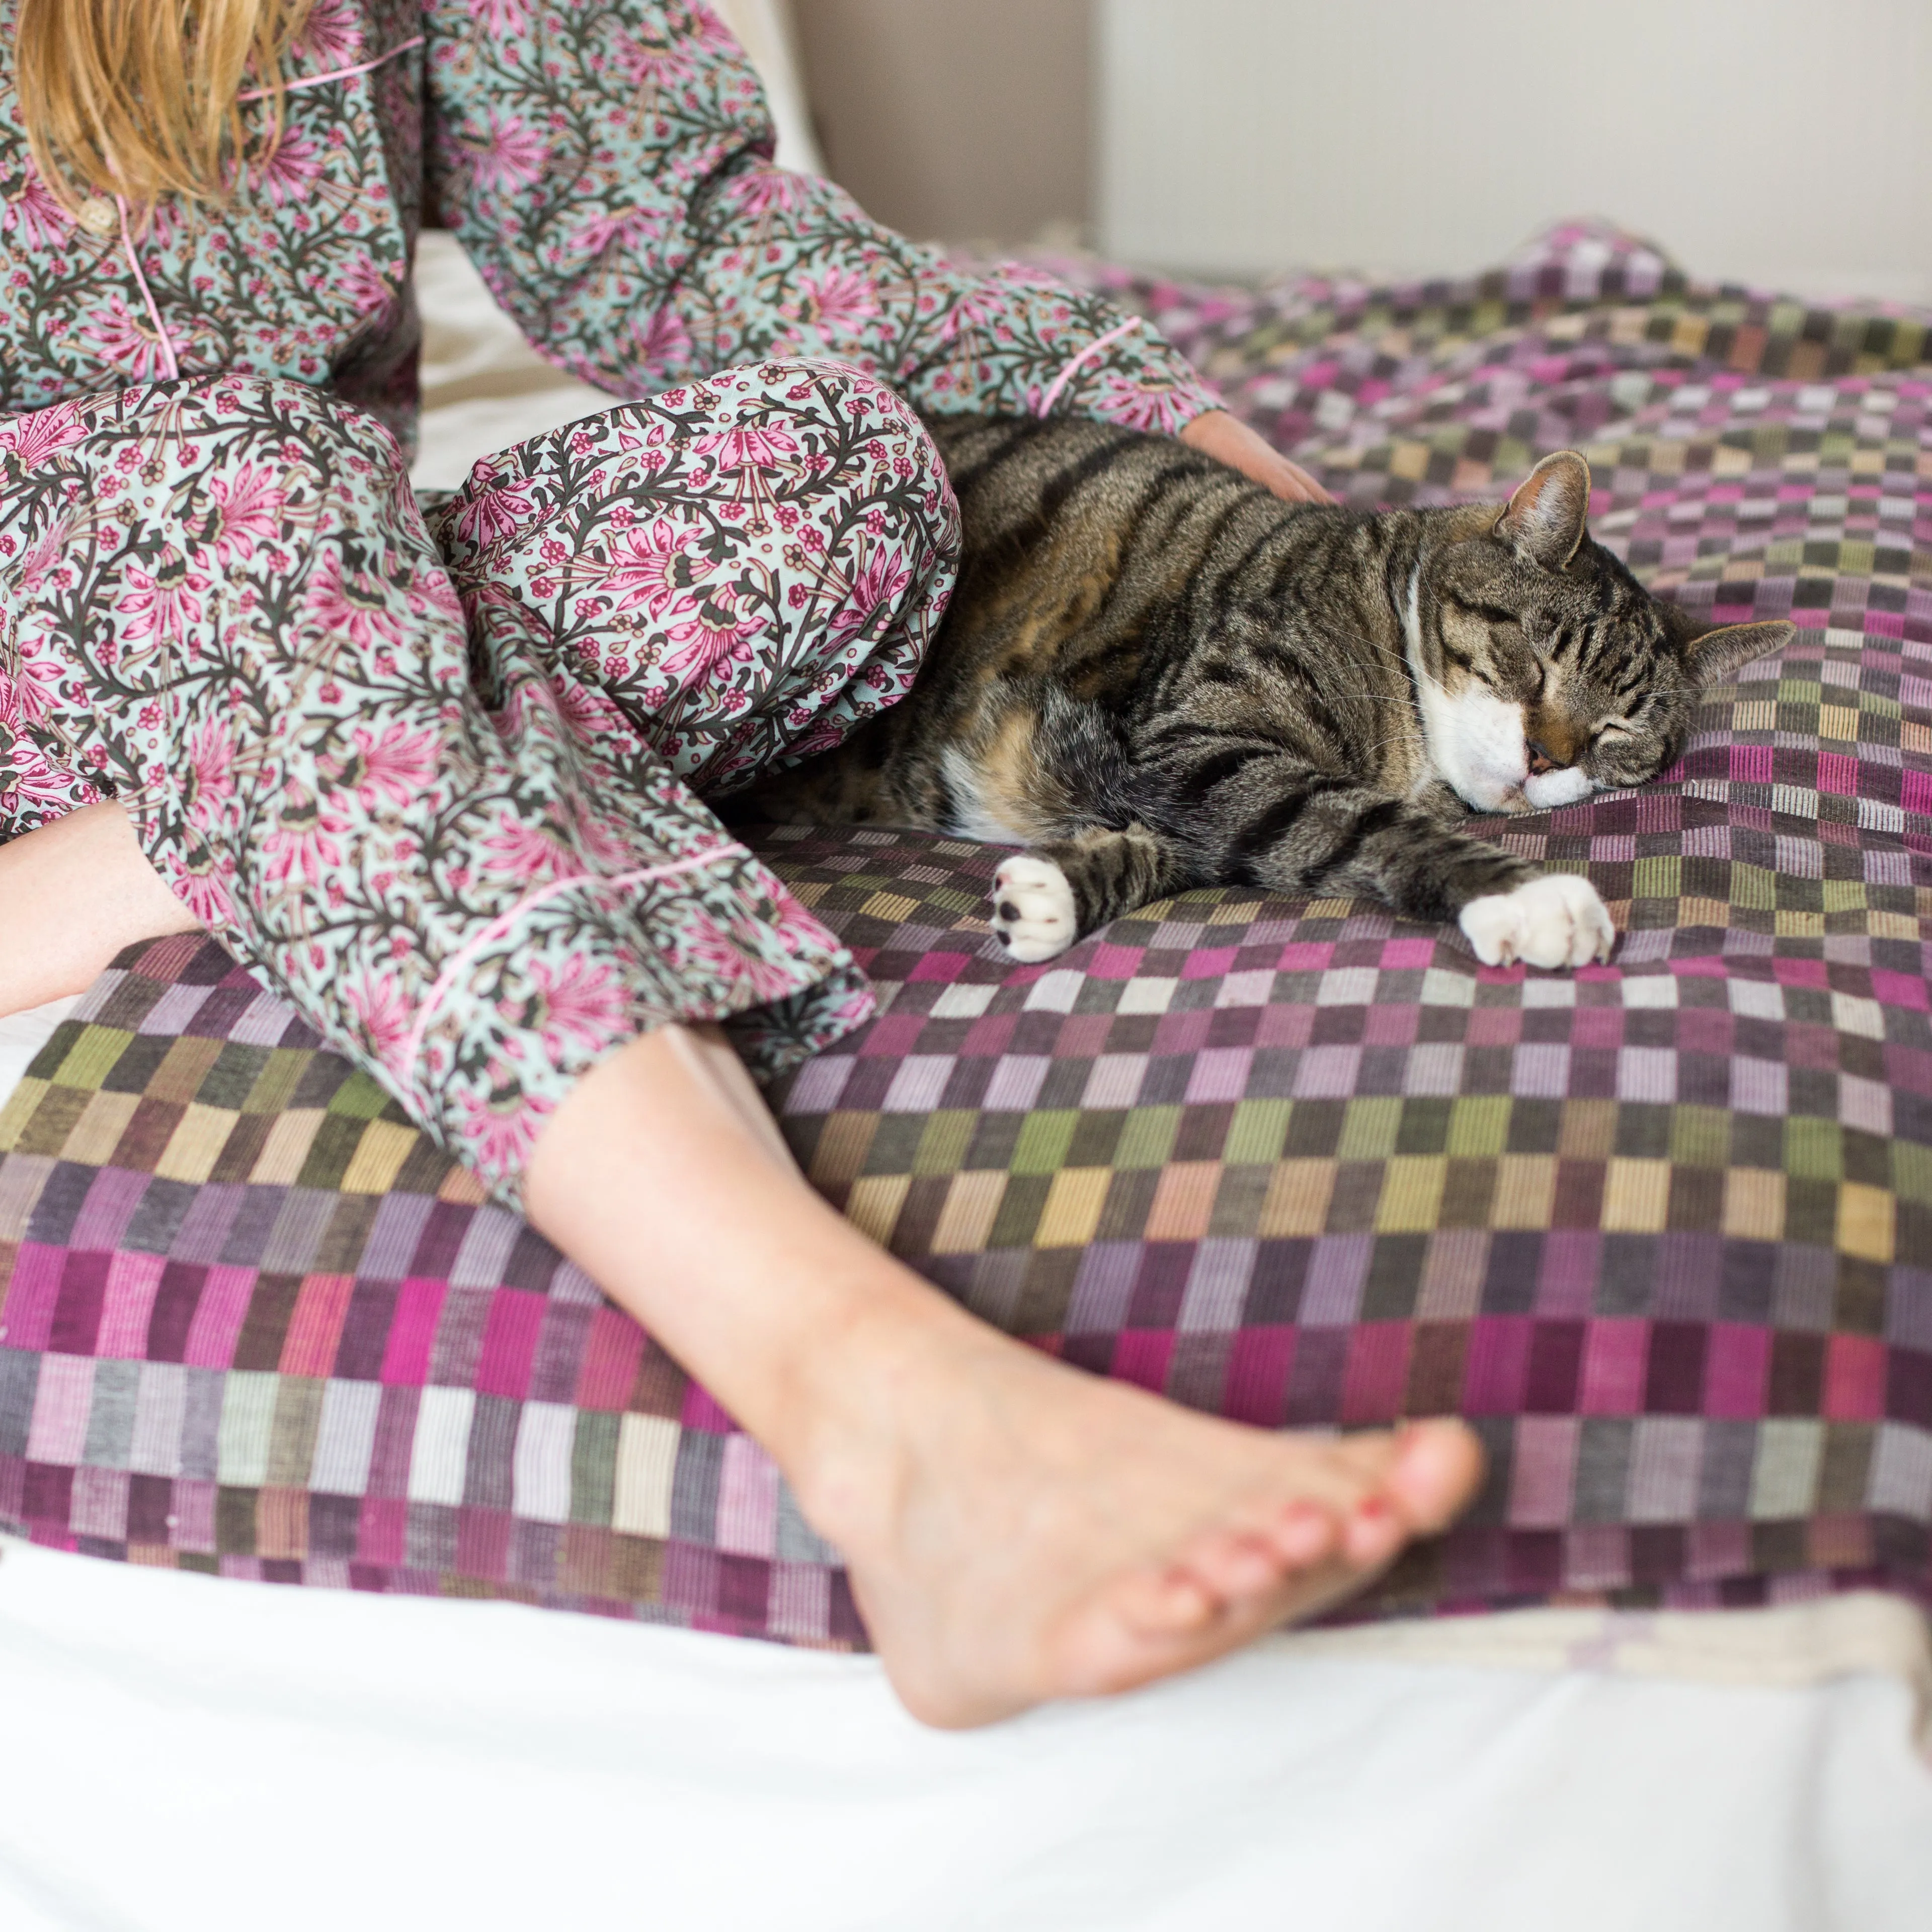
[{"x": 1373, "y": 1507}]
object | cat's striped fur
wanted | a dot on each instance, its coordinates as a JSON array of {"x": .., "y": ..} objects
[{"x": 1154, "y": 674}]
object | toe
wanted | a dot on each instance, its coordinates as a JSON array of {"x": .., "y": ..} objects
[
  {"x": 1373, "y": 1533},
  {"x": 1172, "y": 1599},
  {"x": 1233, "y": 1565},
  {"x": 1304, "y": 1535},
  {"x": 1369, "y": 1454},
  {"x": 1411, "y": 1483},
  {"x": 1437, "y": 1469},
  {"x": 1233, "y": 1572}
]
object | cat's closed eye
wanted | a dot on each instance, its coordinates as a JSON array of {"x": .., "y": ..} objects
[{"x": 1491, "y": 613}]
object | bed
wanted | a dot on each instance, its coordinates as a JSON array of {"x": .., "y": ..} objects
[{"x": 1663, "y": 1230}]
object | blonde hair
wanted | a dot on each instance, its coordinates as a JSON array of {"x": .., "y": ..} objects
[{"x": 141, "y": 97}]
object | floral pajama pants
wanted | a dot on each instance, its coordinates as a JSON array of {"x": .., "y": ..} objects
[{"x": 433, "y": 780}]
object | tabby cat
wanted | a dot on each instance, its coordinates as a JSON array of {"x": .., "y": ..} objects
[{"x": 1154, "y": 674}]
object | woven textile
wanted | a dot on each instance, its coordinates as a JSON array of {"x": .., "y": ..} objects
[{"x": 1662, "y": 1229}]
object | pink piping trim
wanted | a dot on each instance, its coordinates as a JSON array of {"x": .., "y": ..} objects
[
  {"x": 172, "y": 362},
  {"x": 338, "y": 73},
  {"x": 1087, "y": 355},
  {"x": 497, "y": 927}
]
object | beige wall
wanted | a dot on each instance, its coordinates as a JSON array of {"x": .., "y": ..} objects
[
  {"x": 955, "y": 120},
  {"x": 1786, "y": 142}
]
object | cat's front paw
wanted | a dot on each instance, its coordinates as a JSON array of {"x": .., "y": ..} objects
[
  {"x": 1555, "y": 920},
  {"x": 1032, "y": 908}
]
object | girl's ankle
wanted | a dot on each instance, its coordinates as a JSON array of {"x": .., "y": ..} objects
[{"x": 854, "y": 1403}]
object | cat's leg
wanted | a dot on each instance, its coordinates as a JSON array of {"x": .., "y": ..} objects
[
  {"x": 1048, "y": 896},
  {"x": 1327, "y": 836}
]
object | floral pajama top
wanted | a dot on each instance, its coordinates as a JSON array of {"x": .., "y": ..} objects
[{"x": 432, "y": 782}]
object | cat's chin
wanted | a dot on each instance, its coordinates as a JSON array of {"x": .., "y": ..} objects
[
  {"x": 1502, "y": 798},
  {"x": 1543, "y": 791}
]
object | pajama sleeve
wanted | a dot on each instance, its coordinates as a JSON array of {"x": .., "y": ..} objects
[{"x": 607, "y": 164}]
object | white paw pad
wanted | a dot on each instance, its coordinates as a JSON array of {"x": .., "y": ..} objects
[
  {"x": 1033, "y": 909},
  {"x": 1556, "y": 920}
]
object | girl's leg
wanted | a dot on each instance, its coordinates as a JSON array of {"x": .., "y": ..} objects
[
  {"x": 232, "y": 622},
  {"x": 734, "y": 591},
  {"x": 718, "y": 579},
  {"x": 1016, "y": 1530},
  {"x": 227, "y": 617}
]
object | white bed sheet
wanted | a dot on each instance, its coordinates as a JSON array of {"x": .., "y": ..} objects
[
  {"x": 189, "y": 1755},
  {"x": 183, "y": 1752}
]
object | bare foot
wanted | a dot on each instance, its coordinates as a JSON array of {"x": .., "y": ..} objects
[{"x": 1019, "y": 1531}]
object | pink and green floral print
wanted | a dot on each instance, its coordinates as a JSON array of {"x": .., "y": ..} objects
[
  {"x": 704, "y": 598},
  {"x": 606, "y": 163},
  {"x": 431, "y": 782},
  {"x": 443, "y": 810}
]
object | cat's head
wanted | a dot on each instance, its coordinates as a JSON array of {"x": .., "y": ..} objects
[{"x": 1546, "y": 671}]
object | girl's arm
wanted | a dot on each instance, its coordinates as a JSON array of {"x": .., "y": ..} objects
[{"x": 608, "y": 168}]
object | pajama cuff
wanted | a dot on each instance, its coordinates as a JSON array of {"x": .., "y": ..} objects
[{"x": 582, "y": 966}]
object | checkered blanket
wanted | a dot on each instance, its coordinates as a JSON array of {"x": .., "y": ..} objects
[{"x": 1661, "y": 1229}]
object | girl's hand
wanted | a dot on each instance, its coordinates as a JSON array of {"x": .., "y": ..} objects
[{"x": 1230, "y": 441}]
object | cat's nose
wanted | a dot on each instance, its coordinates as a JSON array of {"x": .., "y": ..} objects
[{"x": 1543, "y": 759}]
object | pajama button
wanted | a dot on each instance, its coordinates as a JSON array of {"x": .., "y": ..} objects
[{"x": 97, "y": 214}]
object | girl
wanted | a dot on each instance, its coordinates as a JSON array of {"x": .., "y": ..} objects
[{"x": 432, "y": 777}]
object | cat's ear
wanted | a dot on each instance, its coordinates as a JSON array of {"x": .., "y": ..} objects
[
  {"x": 1543, "y": 521},
  {"x": 1715, "y": 656}
]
